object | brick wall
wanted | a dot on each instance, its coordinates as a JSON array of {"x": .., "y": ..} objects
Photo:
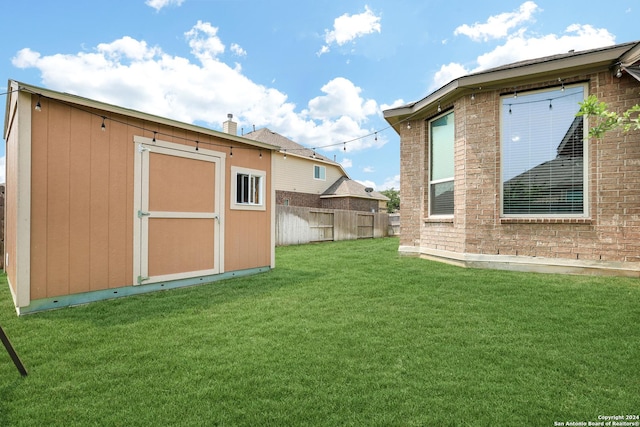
[
  {"x": 413, "y": 179},
  {"x": 314, "y": 201},
  {"x": 612, "y": 231},
  {"x": 351, "y": 204},
  {"x": 292, "y": 198}
]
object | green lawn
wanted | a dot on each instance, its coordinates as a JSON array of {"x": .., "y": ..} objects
[{"x": 345, "y": 333}]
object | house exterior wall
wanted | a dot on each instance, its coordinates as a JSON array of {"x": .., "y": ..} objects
[
  {"x": 80, "y": 191},
  {"x": 608, "y": 239},
  {"x": 350, "y": 204},
  {"x": 295, "y": 174},
  {"x": 293, "y": 198}
]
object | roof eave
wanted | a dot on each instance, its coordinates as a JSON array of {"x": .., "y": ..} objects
[
  {"x": 584, "y": 62},
  {"x": 90, "y": 103}
]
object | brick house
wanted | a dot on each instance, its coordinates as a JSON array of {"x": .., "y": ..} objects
[
  {"x": 306, "y": 178},
  {"x": 498, "y": 172}
]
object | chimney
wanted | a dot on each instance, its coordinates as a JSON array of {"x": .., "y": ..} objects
[{"x": 230, "y": 126}]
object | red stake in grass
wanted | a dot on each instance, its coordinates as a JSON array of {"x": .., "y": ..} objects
[{"x": 12, "y": 353}]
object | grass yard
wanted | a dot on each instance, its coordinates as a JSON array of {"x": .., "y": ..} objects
[{"x": 344, "y": 333}]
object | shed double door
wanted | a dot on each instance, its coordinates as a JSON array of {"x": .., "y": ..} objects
[{"x": 177, "y": 213}]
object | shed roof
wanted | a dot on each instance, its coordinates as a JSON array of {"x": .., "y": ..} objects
[{"x": 80, "y": 101}]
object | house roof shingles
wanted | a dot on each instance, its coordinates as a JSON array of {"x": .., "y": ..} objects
[
  {"x": 272, "y": 138},
  {"x": 345, "y": 187}
]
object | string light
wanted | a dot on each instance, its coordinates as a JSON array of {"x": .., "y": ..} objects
[
  {"x": 406, "y": 120},
  {"x": 375, "y": 139},
  {"x": 154, "y": 136},
  {"x": 285, "y": 154},
  {"x": 550, "y": 106},
  {"x": 197, "y": 142}
]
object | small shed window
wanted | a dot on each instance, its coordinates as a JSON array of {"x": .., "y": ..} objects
[{"x": 248, "y": 188}]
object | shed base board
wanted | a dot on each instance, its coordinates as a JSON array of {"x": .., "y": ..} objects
[
  {"x": 525, "y": 263},
  {"x": 87, "y": 297}
]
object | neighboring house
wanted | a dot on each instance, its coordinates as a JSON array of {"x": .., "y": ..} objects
[
  {"x": 103, "y": 201},
  {"x": 498, "y": 171},
  {"x": 305, "y": 178}
]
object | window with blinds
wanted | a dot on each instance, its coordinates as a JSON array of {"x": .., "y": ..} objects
[
  {"x": 543, "y": 151},
  {"x": 441, "y": 165}
]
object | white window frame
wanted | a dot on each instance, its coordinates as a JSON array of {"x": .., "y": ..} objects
[
  {"x": 585, "y": 155},
  {"x": 438, "y": 181},
  {"x": 252, "y": 173},
  {"x": 321, "y": 174}
]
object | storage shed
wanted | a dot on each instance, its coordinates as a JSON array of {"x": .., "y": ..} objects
[{"x": 103, "y": 201}]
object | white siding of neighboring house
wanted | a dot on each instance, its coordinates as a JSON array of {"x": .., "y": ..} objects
[{"x": 296, "y": 174}]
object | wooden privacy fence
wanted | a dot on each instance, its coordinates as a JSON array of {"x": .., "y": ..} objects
[{"x": 298, "y": 225}]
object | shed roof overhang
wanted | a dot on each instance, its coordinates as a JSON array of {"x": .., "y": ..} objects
[
  {"x": 98, "y": 105},
  {"x": 519, "y": 73}
]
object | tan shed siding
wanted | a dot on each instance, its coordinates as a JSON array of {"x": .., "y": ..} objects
[
  {"x": 80, "y": 198},
  {"x": 70, "y": 201},
  {"x": 296, "y": 175},
  {"x": 248, "y": 232},
  {"x": 79, "y": 208}
]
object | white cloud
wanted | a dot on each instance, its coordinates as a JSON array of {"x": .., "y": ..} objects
[
  {"x": 397, "y": 103},
  {"x": 367, "y": 183},
  {"x": 347, "y": 28},
  {"x": 520, "y": 46},
  {"x": 368, "y": 169},
  {"x": 159, "y": 4},
  {"x": 3, "y": 173},
  {"x": 238, "y": 50},
  {"x": 391, "y": 182},
  {"x": 498, "y": 26},
  {"x": 132, "y": 74},
  {"x": 448, "y": 72},
  {"x": 346, "y": 163},
  {"x": 342, "y": 98},
  {"x": 204, "y": 41}
]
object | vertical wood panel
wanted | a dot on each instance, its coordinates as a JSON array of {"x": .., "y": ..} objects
[
  {"x": 39, "y": 185},
  {"x": 80, "y": 198},
  {"x": 58, "y": 202},
  {"x": 130, "y": 150},
  {"x": 118, "y": 239},
  {"x": 99, "y": 213}
]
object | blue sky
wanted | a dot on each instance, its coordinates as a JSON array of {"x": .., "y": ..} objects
[{"x": 318, "y": 72}]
